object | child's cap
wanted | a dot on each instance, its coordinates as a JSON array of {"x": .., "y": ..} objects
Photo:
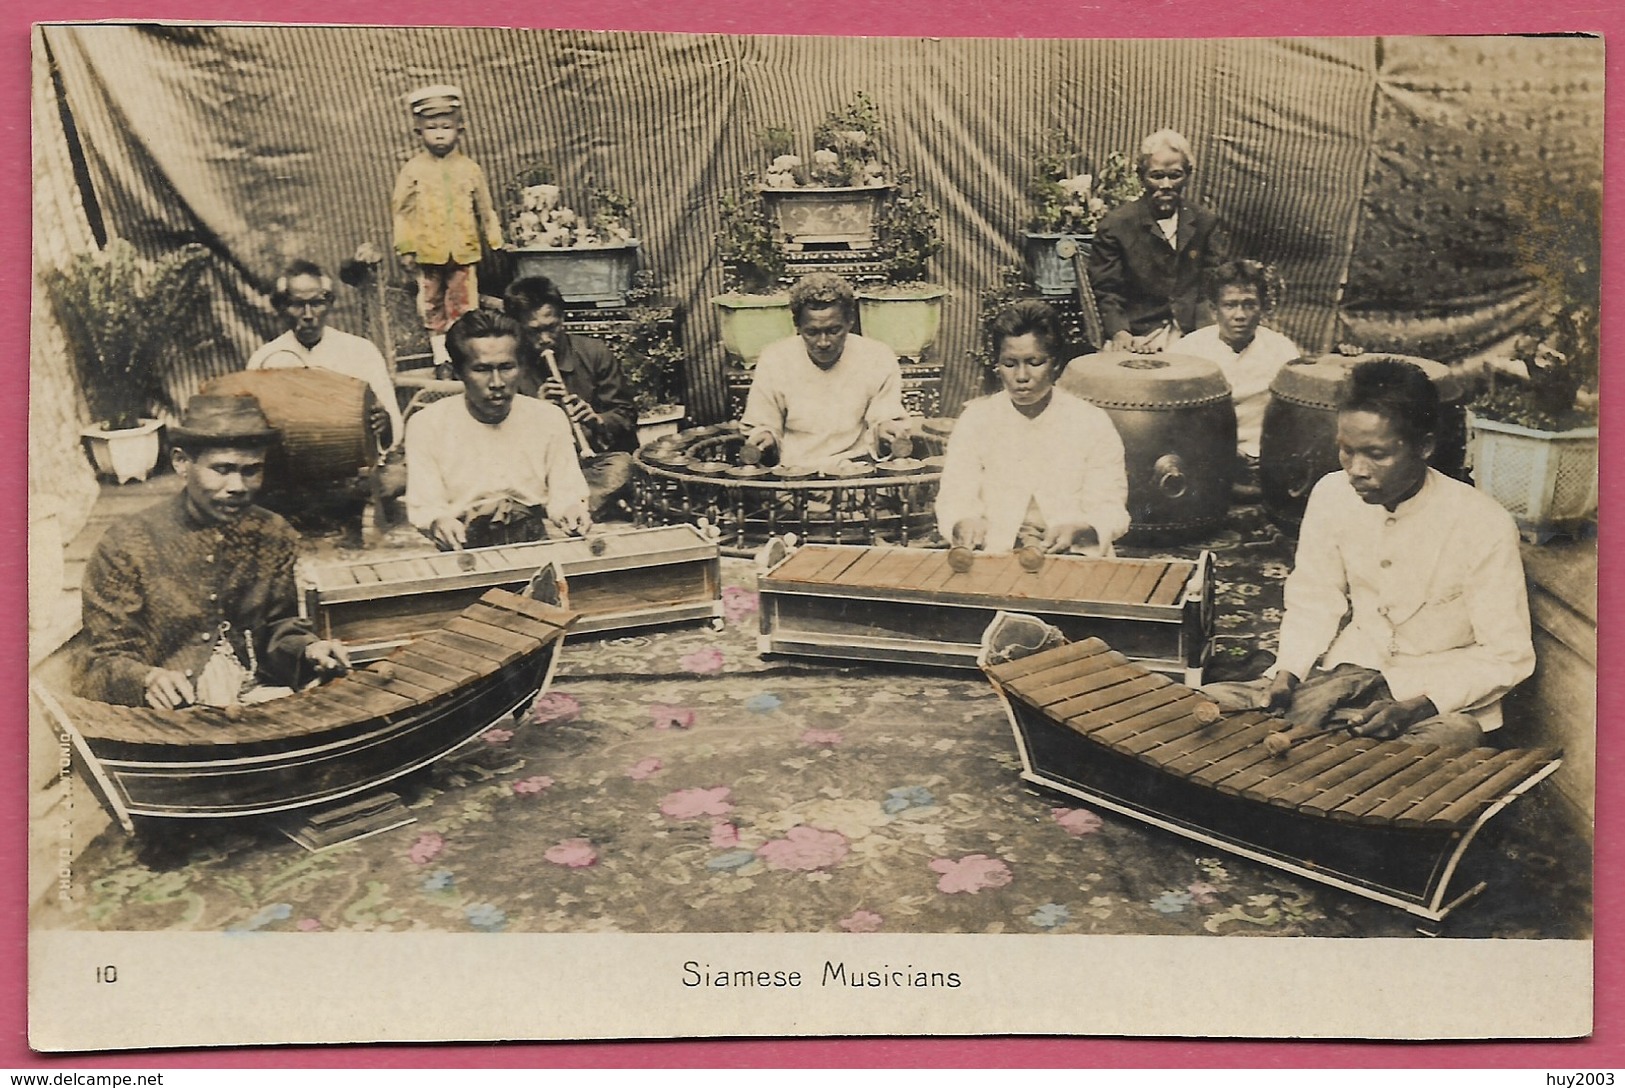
[{"x": 434, "y": 100}]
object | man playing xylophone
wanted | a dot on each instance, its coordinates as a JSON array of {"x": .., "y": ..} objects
[
  {"x": 193, "y": 600},
  {"x": 1032, "y": 466},
  {"x": 1426, "y": 570},
  {"x": 491, "y": 467}
]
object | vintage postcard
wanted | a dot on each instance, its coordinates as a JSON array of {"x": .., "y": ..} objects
[{"x": 600, "y": 535}]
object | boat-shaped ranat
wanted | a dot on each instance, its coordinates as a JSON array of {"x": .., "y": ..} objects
[
  {"x": 316, "y": 746},
  {"x": 1385, "y": 819}
]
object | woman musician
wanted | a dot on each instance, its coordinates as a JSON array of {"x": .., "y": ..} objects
[{"x": 1032, "y": 466}]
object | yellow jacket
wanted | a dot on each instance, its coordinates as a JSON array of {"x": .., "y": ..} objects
[{"x": 441, "y": 205}]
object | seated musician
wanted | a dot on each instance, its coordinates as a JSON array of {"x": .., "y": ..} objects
[
  {"x": 825, "y": 394},
  {"x": 491, "y": 467},
  {"x": 1149, "y": 256},
  {"x": 193, "y": 600},
  {"x": 585, "y": 379},
  {"x": 304, "y": 296},
  {"x": 1248, "y": 352},
  {"x": 1033, "y": 465},
  {"x": 1406, "y": 612}
]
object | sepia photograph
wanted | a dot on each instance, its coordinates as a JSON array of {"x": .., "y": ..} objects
[{"x": 809, "y": 535}]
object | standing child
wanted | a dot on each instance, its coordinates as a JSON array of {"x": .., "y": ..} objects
[{"x": 442, "y": 207}]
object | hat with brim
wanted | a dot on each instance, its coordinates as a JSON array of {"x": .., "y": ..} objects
[
  {"x": 437, "y": 99},
  {"x": 222, "y": 421}
]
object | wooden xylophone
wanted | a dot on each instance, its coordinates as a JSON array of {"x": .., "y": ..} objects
[
  {"x": 1388, "y": 820},
  {"x": 342, "y": 738},
  {"x": 615, "y": 580},
  {"x": 911, "y": 605}
]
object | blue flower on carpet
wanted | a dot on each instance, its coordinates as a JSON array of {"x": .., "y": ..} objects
[
  {"x": 907, "y": 797},
  {"x": 763, "y": 703},
  {"x": 487, "y": 917},
  {"x": 1049, "y": 916},
  {"x": 276, "y": 912},
  {"x": 439, "y": 880},
  {"x": 733, "y": 859},
  {"x": 1172, "y": 902}
]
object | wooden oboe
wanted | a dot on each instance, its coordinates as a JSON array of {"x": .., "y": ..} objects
[{"x": 583, "y": 447}]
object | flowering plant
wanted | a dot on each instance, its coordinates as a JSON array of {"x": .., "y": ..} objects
[
  {"x": 752, "y": 259},
  {"x": 846, "y": 151},
  {"x": 1067, "y": 200},
  {"x": 537, "y": 219},
  {"x": 909, "y": 234},
  {"x": 1548, "y": 383}
]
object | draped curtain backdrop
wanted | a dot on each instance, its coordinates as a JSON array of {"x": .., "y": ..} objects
[{"x": 1387, "y": 178}]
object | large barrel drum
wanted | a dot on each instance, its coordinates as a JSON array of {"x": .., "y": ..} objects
[
  {"x": 322, "y": 417},
  {"x": 1178, "y": 427},
  {"x": 1299, "y": 442}
]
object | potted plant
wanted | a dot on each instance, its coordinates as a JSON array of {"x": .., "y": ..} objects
[
  {"x": 122, "y": 316},
  {"x": 753, "y": 310},
  {"x": 590, "y": 258},
  {"x": 1068, "y": 203},
  {"x": 905, "y": 312},
  {"x": 835, "y": 196},
  {"x": 652, "y": 360}
]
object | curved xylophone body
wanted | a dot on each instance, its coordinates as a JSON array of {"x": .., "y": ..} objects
[
  {"x": 1388, "y": 820},
  {"x": 324, "y": 743},
  {"x": 914, "y": 605}
]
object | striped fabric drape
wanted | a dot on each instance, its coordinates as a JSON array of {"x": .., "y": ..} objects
[{"x": 273, "y": 142}]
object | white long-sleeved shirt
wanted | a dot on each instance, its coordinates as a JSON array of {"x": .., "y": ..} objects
[
  {"x": 1249, "y": 373},
  {"x": 821, "y": 415},
  {"x": 353, "y": 356},
  {"x": 1068, "y": 461},
  {"x": 1434, "y": 594},
  {"x": 454, "y": 460}
]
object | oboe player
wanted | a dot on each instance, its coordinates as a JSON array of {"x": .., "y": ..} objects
[{"x": 584, "y": 378}]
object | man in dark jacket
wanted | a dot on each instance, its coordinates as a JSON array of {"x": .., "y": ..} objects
[
  {"x": 1149, "y": 257},
  {"x": 591, "y": 388}
]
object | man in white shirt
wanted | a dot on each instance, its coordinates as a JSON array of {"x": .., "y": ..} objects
[
  {"x": 1248, "y": 353},
  {"x": 1406, "y": 610},
  {"x": 1032, "y": 466},
  {"x": 825, "y": 394},
  {"x": 304, "y": 296},
  {"x": 491, "y": 467}
]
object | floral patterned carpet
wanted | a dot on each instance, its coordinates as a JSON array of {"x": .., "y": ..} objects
[{"x": 677, "y": 782}]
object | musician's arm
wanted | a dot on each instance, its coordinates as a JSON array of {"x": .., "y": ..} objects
[
  {"x": 1317, "y": 593},
  {"x": 118, "y": 658},
  {"x": 959, "y": 492},
  {"x": 1102, "y": 486},
  {"x": 616, "y": 427},
  {"x": 763, "y": 419},
  {"x": 428, "y": 499},
  {"x": 566, "y": 486},
  {"x": 283, "y": 635}
]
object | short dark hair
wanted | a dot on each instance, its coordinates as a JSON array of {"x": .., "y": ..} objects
[
  {"x": 821, "y": 290},
  {"x": 1029, "y": 316},
  {"x": 1398, "y": 391},
  {"x": 279, "y": 292},
  {"x": 1244, "y": 273},
  {"x": 525, "y": 296},
  {"x": 477, "y": 325}
]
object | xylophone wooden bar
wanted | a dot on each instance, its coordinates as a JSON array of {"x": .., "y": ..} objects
[{"x": 1384, "y": 819}]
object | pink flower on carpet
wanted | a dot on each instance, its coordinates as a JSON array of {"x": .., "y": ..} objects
[
  {"x": 862, "y": 921},
  {"x": 308, "y": 925},
  {"x": 644, "y": 768},
  {"x": 671, "y": 717},
  {"x": 497, "y": 736},
  {"x": 536, "y": 783},
  {"x": 702, "y": 661},
  {"x": 555, "y": 707},
  {"x": 694, "y": 803},
  {"x": 737, "y": 603},
  {"x": 427, "y": 848},
  {"x": 804, "y": 847},
  {"x": 970, "y": 874},
  {"x": 1076, "y": 821},
  {"x": 724, "y": 835},
  {"x": 814, "y": 737},
  {"x": 572, "y": 854},
  {"x": 1202, "y": 891}
]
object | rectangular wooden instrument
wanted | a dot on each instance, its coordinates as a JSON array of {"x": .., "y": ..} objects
[
  {"x": 1388, "y": 820},
  {"x": 908, "y": 605},
  {"x": 640, "y": 577}
]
